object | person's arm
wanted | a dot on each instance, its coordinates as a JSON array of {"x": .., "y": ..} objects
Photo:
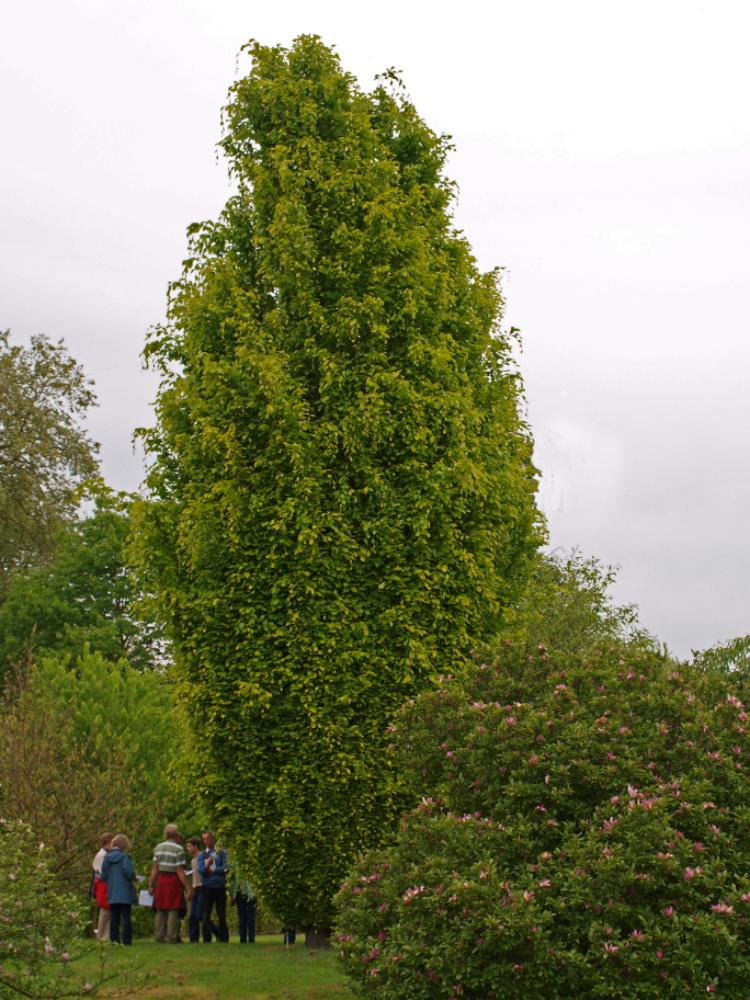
[
  {"x": 105, "y": 869},
  {"x": 181, "y": 876},
  {"x": 202, "y": 865},
  {"x": 127, "y": 868},
  {"x": 152, "y": 877},
  {"x": 221, "y": 863}
]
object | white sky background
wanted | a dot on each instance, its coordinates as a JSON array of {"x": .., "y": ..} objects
[{"x": 603, "y": 158}]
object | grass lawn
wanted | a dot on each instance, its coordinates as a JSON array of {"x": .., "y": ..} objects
[{"x": 266, "y": 970}]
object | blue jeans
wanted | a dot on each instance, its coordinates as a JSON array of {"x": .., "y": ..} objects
[
  {"x": 195, "y": 915},
  {"x": 245, "y": 918}
]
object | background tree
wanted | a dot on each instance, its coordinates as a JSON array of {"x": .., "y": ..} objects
[
  {"x": 567, "y": 603},
  {"x": 85, "y": 594},
  {"x": 87, "y": 746},
  {"x": 342, "y": 494},
  {"x": 45, "y": 454},
  {"x": 732, "y": 658}
]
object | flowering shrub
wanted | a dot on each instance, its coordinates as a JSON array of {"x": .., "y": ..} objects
[
  {"x": 587, "y": 832},
  {"x": 41, "y": 928}
]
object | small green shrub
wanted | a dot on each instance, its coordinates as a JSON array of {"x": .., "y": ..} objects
[
  {"x": 586, "y": 833},
  {"x": 41, "y": 927}
]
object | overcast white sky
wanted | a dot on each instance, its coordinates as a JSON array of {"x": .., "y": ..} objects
[{"x": 603, "y": 158}]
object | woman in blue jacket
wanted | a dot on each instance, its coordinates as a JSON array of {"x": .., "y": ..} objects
[{"x": 119, "y": 874}]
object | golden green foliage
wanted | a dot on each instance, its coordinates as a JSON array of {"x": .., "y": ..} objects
[{"x": 341, "y": 489}]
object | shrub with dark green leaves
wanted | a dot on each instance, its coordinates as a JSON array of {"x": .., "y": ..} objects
[{"x": 587, "y": 832}]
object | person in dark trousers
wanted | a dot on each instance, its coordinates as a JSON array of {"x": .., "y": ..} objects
[
  {"x": 243, "y": 897},
  {"x": 213, "y": 865},
  {"x": 118, "y": 873}
]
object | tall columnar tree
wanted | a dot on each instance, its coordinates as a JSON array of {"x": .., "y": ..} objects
[{"x": 341, "y": 489}]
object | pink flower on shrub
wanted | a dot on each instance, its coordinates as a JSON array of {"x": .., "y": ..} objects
[
  {"x": 528, "y": 895},
  {"x": 612, "y": 949},
  {"x": 411, "y": 894},
  {"x": 545, "y": 883},
  {"x": 690, "y": 873},
  {"x": 635, "y": 933},
  {"x": 708, "y": 805},
  {"x": 510, "y": 719},
  {"x": 745, "y": 897},
  {"x": 668, "y": 911},
  {"x": 722, "y": 907}
]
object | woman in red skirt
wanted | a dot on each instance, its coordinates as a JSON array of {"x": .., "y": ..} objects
[{"x": 99, "y": 888}]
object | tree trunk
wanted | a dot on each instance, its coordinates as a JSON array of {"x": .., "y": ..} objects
[{"x": 317, "y": 937}]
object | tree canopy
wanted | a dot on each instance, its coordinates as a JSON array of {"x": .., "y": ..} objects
[
  {"x": 83, "y": 749},
  {"x": 341, "y": 495},
  {"x": 45, "y": 453},
  {"x": 85, "y": 594}
]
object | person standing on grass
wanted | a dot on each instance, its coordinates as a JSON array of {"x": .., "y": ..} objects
[
  {"x": 167, "y": 882},
  {"x": 213, "y": 865},
  {"x": 195, "y": 916},
  {"x": 243, "y": 897},
  {"x": 99, "y": 888},
  {"x": 119, "y": 875}
]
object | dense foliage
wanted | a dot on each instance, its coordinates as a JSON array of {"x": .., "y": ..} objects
[
  {"x": 45, "y": 453},
  {"x": 731, "y": 657},
  {"x": 584, "y": 832},
  {"x": 341, "y": 494},
  {"x": 567, "y": 604},
  {"x": 85, "y": 594},
  {"x": 89, "y": 745}
]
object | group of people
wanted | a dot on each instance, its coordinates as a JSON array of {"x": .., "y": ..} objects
[{"x": 197, "y": 889}]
